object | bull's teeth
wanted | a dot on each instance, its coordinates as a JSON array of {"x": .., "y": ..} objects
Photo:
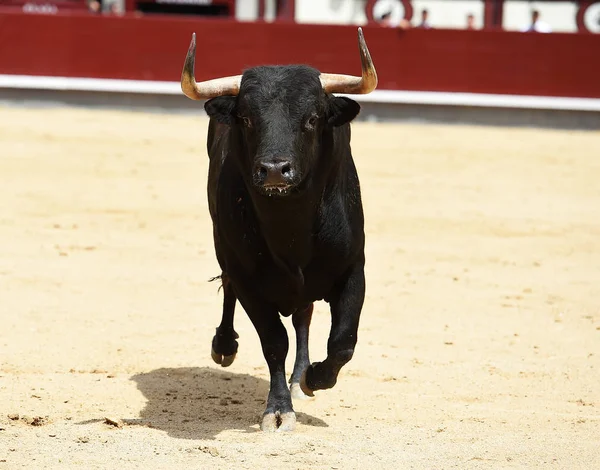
[{"x": 270, "y": 190}]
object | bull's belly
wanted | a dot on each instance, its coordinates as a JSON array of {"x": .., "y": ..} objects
[
  {"x": 289, "y": 296},
  {"x": 281, "y": 282}
]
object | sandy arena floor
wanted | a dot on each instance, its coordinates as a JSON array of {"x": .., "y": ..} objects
[{"x": 479, "y": 344}]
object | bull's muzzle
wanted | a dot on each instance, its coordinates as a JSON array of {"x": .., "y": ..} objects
[{"x": 274, "y": 176}]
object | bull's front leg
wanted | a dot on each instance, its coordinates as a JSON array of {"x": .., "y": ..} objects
[
  {"x": 279, "y": 414},
  {"x": 346, "y": 305}
]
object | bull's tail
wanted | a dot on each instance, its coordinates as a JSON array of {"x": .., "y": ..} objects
[{"x": 219, "y": 277}]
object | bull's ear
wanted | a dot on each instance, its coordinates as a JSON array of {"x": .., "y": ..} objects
[
  {"x": 221, "y": 109},
  {"x": 342, "y": 110}
]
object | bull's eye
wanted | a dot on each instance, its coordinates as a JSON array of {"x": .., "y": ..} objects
[
  {"x": 311, "y": 123},
  {"x": 247, "y": 121}
]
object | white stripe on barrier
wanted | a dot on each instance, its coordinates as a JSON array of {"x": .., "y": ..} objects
[{"x": 378, "y": 96}]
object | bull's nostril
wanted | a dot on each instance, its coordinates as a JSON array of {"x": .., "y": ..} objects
[{"x": 286, "y": 169}]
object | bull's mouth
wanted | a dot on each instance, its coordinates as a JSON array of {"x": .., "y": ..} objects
[{"x": 276, "y": 189}]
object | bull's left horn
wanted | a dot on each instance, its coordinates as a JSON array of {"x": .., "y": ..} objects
[
  {"x": 336, "y": 83},
  {"x": 229, "y": 86}
]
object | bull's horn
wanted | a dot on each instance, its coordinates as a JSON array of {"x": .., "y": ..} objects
[
  {"x": 336, "y": 83},
  {"x": 205, "y": 90}
]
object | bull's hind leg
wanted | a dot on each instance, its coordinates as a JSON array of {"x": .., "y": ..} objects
[
  {"x": 224, "y": 344},
  {"x": 301, "y": 321}
]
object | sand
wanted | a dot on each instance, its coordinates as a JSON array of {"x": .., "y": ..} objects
[{"x": 479, "y": 344}]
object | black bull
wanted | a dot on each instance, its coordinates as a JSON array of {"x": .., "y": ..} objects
[{"x": 285, "y": 202}]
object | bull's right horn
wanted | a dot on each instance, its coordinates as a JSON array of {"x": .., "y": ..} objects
[
  {"x": 366, "y": 83},
  {"x": 225, "y": 86}
]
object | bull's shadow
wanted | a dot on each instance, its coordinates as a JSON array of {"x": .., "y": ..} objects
[{"x": 199, "y": 403}]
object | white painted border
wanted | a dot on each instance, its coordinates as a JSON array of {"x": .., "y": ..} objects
[{"x": 378, "y": 96}]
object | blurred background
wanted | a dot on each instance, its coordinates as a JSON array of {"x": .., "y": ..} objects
[
  {"x": 436, "y": 58},
  {"x": 511, "y": 15}
]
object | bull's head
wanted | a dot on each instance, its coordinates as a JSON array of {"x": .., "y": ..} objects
[{"x": 284, "y": 116}]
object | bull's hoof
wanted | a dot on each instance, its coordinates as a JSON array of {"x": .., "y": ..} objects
[
  {"x": 298, "y": 394},
  {"x": 278, "y": 422},
  {"x": 304, "y": 387},
  {"x": 224, "y": 361},
  {"x": 224, "y": 347},
  {"x": 317, "y": 376}
]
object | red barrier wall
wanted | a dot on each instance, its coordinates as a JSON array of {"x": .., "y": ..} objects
[{"x": 154, "y": 47}]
